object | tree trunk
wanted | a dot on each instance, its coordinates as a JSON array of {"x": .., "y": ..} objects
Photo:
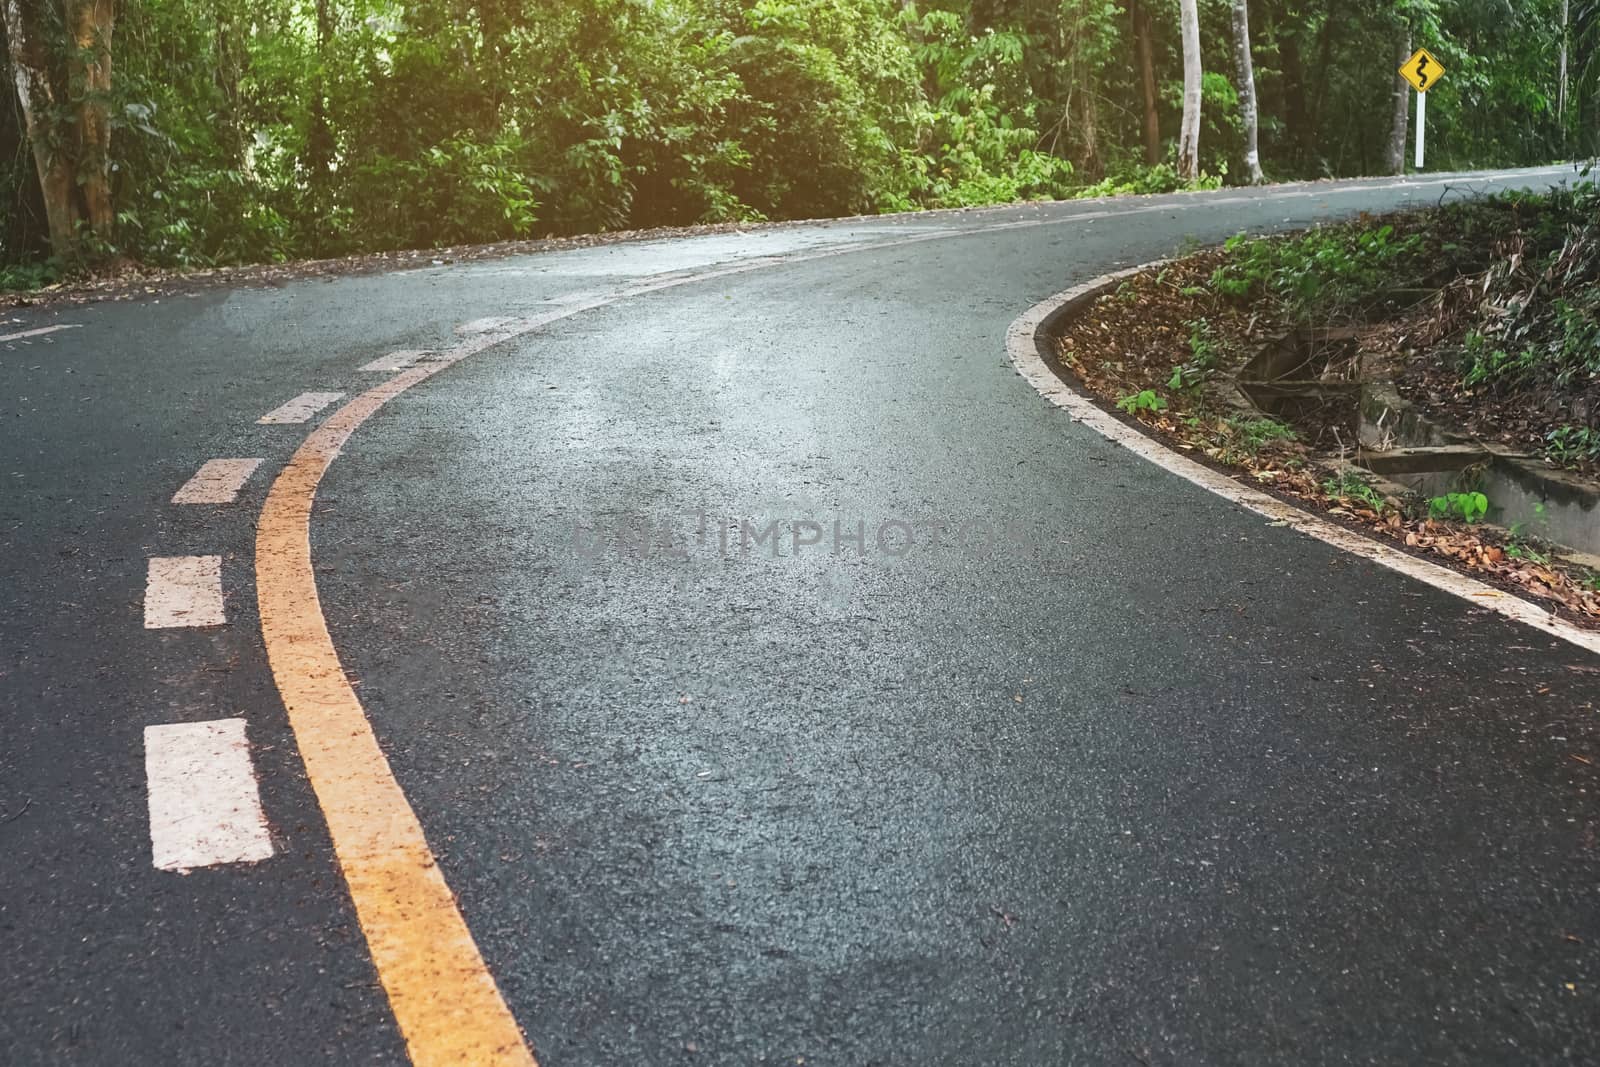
[
  {"x": 22, "y": 229},
  {"x": 1296, "y": 111},
  {"x": 1247, "y": 90},
  {"x": 37, "y": 96},
  {"x": 91, "y": 67},
  {"x": 1313, "y": 130},
  {"x": 1396, "y": 155},
  {"x": 1189, "y": 134},
  {"x": 1561, "y": 82},
  {"x": 63, "y": 89},
  {"x": 319, "y": 139},
  {"x": 1092, "y": 166},
  {"x": 1140, "y": 18}
]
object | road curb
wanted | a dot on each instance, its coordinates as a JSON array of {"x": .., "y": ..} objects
[{"x": 1028, "y": 345}]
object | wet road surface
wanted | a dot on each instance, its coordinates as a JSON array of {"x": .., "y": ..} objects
[{"x": 777, "y": 678}]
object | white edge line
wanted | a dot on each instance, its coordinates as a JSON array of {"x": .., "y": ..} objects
[{"x": 1023, "y": 343}]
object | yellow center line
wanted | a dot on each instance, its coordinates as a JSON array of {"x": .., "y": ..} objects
[{"x": 442, "y": 994}]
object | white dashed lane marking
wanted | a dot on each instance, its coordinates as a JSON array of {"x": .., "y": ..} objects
[
  {"x": 484, "y": 325},
  {"x": 218, "y": 481},
  {"x": 299, "y": 409},
  {"x": 395, "y": 360},
  {"x": 39, "y": 332},
  {"x": 183, "y": 591},
  {"x": 205, "y": 805}
]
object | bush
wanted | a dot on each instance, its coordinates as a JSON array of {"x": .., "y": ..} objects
[
  {"x": 1144, "y": 181},
  {"x": 1332, "y": 269}
]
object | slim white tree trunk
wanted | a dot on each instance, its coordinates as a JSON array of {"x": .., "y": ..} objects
[
  {"x": 1247, "y": 90},
  {"x": 1189, "y": 132}
]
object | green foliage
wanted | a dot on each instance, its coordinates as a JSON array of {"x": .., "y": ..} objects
[
  {"x": 1532, "y": 332},
  {"x": 1243, "y": 439},
  {"x": 463, "y": 190},
  {"x": 1207, "y": 353},
  {"x": 1352, "y": 487},
  {"x": 979, "y": 142},
  {"x": 1482, "y": 364},
  {"x": 1519, "y": 545},
  {"x": 981, "y": 159},
  {"x": 1259, "y": 432},
  {"x": 1143, "y": 180},
  {"x": 27, "y": 276},
  {"x": 1337, "y": 268},
  {"x": 1144, "y": 400},
  {"x": 1517, "y": 548},
  {"x": 244, "y": 131},
  {"x": 1572, "y": 446},
  {"x": 1466, "y": 506}
]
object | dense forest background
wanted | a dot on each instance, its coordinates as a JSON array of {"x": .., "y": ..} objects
[{"x": 197, "y": 132}]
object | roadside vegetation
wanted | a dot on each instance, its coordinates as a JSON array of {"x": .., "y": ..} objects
[
  {"x": 175, "y": 133},
  {"x": 1484, "y": 312}
]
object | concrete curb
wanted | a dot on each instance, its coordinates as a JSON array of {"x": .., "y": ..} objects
[{"x": 1028, "y": 345}]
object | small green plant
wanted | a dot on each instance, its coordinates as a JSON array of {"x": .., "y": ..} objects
[
  {"x": 1242, "y": 439},
  {"x": 1246, "y": 270},
  {"x": 1203, "y": 343},
  {"x": 1350, "y": 486},
  {"x": 1259, "y": 432},
  {"x": 1483, "y": 364},
  {"x": 1518, "y": 547},
  {"x": 1570, "y": 446},
  {"x": 1207, "y": 353},
  {"x": 1468, "y": 507},
  {"x": 1145, "y": 400},
  {"x": 1522, "y": 545}
]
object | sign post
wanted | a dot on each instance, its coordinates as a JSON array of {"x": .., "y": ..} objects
[
  {"x": 1423, "y": 72},
  {"x": 1422, "y": 124}
]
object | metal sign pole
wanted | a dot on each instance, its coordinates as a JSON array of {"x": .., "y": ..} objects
[{"x": 1422, "y": 123}]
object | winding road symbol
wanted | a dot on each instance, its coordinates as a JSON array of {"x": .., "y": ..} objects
[{"x": 1422, "y": 70}]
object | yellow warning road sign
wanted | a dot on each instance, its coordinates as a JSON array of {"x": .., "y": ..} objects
[{"x": 1422, "y": 70}]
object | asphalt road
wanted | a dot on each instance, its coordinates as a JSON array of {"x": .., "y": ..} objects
[{"x": 1063, "y": 761}]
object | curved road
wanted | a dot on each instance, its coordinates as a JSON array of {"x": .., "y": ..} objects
[{"x": 776, "y": 677}]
